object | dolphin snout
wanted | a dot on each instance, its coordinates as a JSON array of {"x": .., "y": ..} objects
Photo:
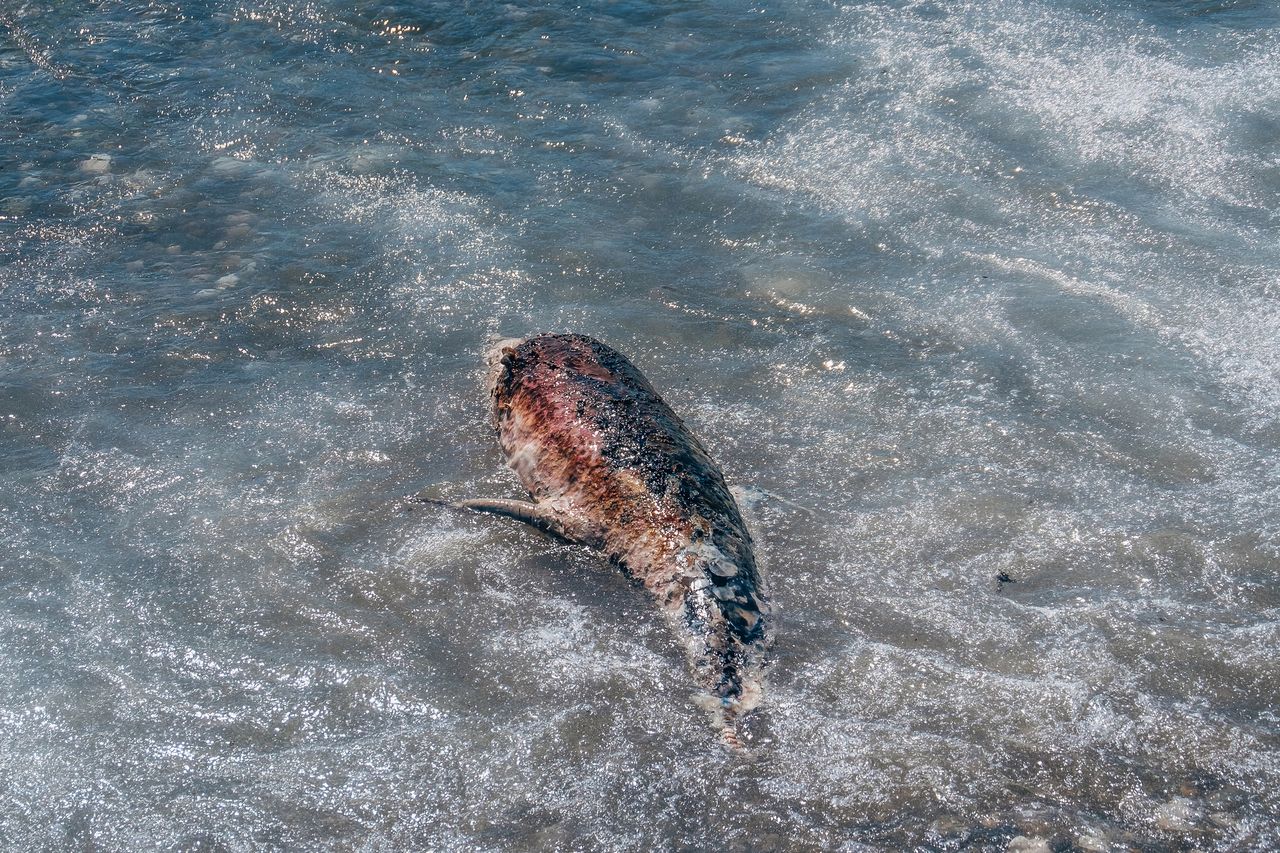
[
  {"x": 493, "y": 354},
  {"x": 493, "y": 358}
]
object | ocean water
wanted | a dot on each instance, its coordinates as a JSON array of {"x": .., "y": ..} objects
[{"x": 977, "y": 302}]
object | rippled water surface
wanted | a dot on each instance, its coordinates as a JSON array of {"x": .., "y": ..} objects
[{"x": 977, "y": 302}]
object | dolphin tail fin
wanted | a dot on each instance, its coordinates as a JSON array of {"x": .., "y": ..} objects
[
  {"x": 725, "y": 718},
  {"x": 729, "y": 737},
  {"x": 531, "y": 514}
]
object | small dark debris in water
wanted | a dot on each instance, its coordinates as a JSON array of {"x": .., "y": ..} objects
[{"x": 1004, "y": 578}]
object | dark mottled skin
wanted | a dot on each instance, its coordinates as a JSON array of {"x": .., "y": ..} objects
[{"x": 594, "y": 443}]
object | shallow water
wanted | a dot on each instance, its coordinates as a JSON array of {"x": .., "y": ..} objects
[{"x": 957, "y": 292}]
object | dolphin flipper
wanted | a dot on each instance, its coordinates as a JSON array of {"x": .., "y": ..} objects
[{"x": 531, "y": 514}]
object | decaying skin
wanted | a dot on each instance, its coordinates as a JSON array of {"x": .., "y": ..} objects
[{"x": 609, "y": 465}]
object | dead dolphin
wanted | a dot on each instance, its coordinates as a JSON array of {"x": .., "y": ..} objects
[{"x": 611, "y": 466}]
